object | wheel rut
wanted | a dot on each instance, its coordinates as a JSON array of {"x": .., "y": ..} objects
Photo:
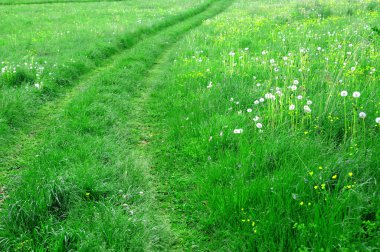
[{"x": 104, "y": 114}]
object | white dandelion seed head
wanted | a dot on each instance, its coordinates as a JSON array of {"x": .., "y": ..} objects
[
  {"x": 362, "y": 115},
  {"x": 256, "y": 118},
  {"x": 307, "y": 109},
  {"x": 356, "y": 94},
  {"x": 238, "y": 131},
  {"x": 309, "y": 102},
  {"x": 296, "y": 82},
  {"x": 256, "y": 102},
  {"x": 261, "y": 100},
  {"x": 299, "y": 97},
  {"x": 344, "y": 93},
  {"x": 285, "y": 58},
  {"x": 292, "y": 107},
  {"x": 377, "y": 120},
  {"x": 259, "y": 125},
  {"x": 232, "y": 54},
  {"x": 249, "y": 110},
  {"x": 293, "y": 87},
  {"x": 268, "y": 96},
  {"x": 353, "y": 68}
]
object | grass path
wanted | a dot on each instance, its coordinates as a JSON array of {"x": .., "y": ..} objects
[
  {"x": 10, "y": 149},
  {"x": 85, "y": 181},
  {"x": 75, "y": 74}
]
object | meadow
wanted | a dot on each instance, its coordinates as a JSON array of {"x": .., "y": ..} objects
[{"x": 181, "y": 125}]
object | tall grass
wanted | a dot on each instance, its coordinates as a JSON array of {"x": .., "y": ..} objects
[{"x": 264, "y": 146}]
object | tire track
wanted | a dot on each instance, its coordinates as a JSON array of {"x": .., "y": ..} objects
[
  {"x": 145, "y": 61},
  {"x": 39, "y": 122}
]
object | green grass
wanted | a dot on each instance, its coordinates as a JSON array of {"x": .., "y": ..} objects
[
  {"x": 74, "y": 44},
  {"x": 225, "y": 128},
  {"x": 308, "y": 181},
  {"x": 84, "y": 185}
]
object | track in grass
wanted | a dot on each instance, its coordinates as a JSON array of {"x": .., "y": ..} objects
[
  {"x": 84, "y": 185},
  {"x": 11, "y": 144}
]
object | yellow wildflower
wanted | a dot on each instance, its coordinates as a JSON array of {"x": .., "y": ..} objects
[
  {"x": 334, "y": 177},
  {"x": 350, "y": 174}
]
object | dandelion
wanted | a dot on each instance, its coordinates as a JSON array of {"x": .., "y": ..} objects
[
  {"x": 37, "y": 85},
  {"x": 271, "y": 61},
  {"x": 256, "y": 102},
  {"x": 311, "y": 173},
  {"x": 292, "y": 107},
  {"x": 261, "y": 99},
  {"x": 356, "y": 94},
  {"x": 353, "y": 68},
  {"x": 320, "y": 168},
  {"x": 301, "y": 203},
  {"x": 334, "y": 176},
  {"x": 285, "y": 58},
  {"x": 299, "y": 97},
  {"x": 238, "y": 131},
  {"x": 249, "y": 110},
  {"x": 296, "y": 82},
  {"x": 377, "y": 120},
  {"x": 309, "y": 102},
  {"x": 350, "y": 174},
  {"x": 232, "y": 54},
  {"x": 293, "y": 87},
  {"x": 316, "y": 187},
  {"x": 323, "y": 186},
  {"x": 259, "y": 125},
  {"x": 256, "y": 118},
  {"x": 344, "y": 93},
  {"x": 362, "y": 115},
  {"x": 307, "y": 109}
]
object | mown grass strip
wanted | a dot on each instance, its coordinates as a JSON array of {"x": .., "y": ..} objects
[{"x": 84, "y": 188}]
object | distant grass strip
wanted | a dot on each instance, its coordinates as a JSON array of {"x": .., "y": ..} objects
[
  {"x": 58, "y": 1},
  {"x": 85, "y": 187}
]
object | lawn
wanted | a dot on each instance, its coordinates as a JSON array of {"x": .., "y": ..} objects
[{"x": 243, "y": 125}]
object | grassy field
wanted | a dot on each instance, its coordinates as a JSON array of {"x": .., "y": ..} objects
[
  {"x": 43, "y": 54},
  {"x": 243, "y": 125}
]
